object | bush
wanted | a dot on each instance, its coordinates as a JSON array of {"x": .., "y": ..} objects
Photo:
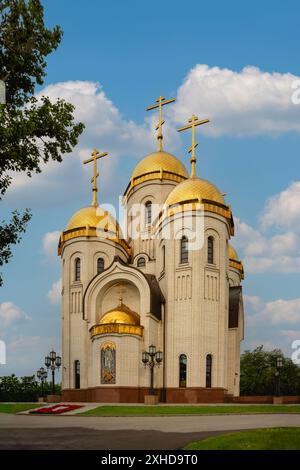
[{"x": 24, "y": 389}]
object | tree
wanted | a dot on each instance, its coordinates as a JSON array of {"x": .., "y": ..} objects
[
  {"x": 32, "y": 131},
  {"x": 258, "y": 373}
]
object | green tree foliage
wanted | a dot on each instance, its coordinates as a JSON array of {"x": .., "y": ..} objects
[
  {"x": 32, "y": 131},
  {"x": 258, "y": 369},
  {"x": 24, "y": 389}
]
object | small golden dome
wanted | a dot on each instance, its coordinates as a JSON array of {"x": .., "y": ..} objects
[
  {"x": 194, "y": 189},
  {"x": 93, "y": 217},
  {"x": 122, "y": 315},
  {"x": 232, "y": 254}
]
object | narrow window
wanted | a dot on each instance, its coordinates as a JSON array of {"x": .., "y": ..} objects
[
  {"x": 210, "y": 250},
  {"x": 184, "y": 253},
  {"x": 163, "y": 258},
  {"x": 100, "y": 265},
  {"x": 148, "y": 213},
  {"x": 77, "y": 373},
  {"x": 77, "y": 269},
  {"x": 208, "y": 370},
  {"x": 182, "y": 370},
  {"x": 141, "y": 262}
]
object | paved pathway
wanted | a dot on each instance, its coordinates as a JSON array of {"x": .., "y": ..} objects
[{"x": 161, "y": 432}]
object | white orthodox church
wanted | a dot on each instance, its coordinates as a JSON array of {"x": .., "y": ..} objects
[{"x": 172, "y": 281}]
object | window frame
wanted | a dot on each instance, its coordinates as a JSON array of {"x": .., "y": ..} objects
[
  {"x": 99, "y": 271},
  {"x": 184, "y": 250},
  {"x": 77, "y": 273},
  {"x": 182, "y": 370},
  {"x": 210, "y": 250},
  {"x": 208, "y": 370}
]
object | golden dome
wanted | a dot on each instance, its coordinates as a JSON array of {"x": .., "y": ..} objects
[
  {"x": 122, "y": 315},
  {"x": 158, "y": 165},
  {"x": 93, "y": 217},
  {"x": 194, "y": 189},
  {"x": 92, "y": 221},
  {"x": 232, "y": 254}
]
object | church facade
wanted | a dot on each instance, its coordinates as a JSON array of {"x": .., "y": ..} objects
[{"x": 171, "y": 279}]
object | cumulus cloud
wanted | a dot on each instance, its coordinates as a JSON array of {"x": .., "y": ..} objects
[
  {"x": 273, "y": 323},
  {"x": 10, "y": 314},
  {"x": 50, "y": 243},
  {"x": 54, "y": 294},
  {"x": 247, "y": 102},
  {"x": 283, "y": 209}
]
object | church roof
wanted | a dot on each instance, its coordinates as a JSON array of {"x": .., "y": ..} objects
[
  {"x": 157, "y": 165},
  {"x": 121, "y": 314},
  {"x": 194, "y": 189}
]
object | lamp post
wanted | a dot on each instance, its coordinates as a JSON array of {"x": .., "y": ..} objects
[
  {"x": 42, "y": 375},
  {"x": 279, "y": 365},
  {"x": 152, "y": 358},
  {"x": 53, "y": 362}
]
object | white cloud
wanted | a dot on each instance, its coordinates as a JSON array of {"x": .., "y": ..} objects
[
  {"x": 10, "y": 314},
  {"x": 54, "y": 294},
  {"x": 248, "y": 102},
  {"x": 283, "y": 209},
  {"x": 50, "y": 243},
  {"x": 283, "y": 311}
]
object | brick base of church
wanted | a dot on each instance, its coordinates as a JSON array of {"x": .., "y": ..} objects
[{"x": 136, "y": 395}]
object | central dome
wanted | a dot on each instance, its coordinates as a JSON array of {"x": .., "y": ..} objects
[
  {"x": 156, "y": 161},
  {"x": 194, "y": 189},
  {"x": 122, "y": 315},
  {"x": 158, "y": 165}
]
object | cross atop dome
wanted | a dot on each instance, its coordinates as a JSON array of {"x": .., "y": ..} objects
[
  {"x": 193, "y": 122},
  {"x": 161, "y": 101},
  {"x": 95, "y": 155}
]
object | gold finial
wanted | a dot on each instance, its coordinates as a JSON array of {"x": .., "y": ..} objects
[
  {"x": 121, "y": 292},
  {"x": 95, "y": 156},
  {"x": 161, "y": 102},
  {"x": 193, "y": 122}
]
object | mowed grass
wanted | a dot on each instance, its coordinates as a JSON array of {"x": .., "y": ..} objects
[
  {"x": 188, "y": 410},
  {"x": 256, "y": 439},
  {"x": 17, "y": 407}
]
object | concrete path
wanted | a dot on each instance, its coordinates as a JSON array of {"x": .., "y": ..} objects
[{"x": 161, "y": 432}]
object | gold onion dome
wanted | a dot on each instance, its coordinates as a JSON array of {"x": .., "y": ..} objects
[
  {"x": 92, "y": 221},
  {"x": 196, "y": 190},
  {"x": 234, "y": 261},
  {"x": 232, "y": 254},
  {"x": 122, "y": 315},
  {"x": 158, "y": 165}
]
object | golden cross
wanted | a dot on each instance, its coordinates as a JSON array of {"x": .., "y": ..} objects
[
  {"x": 121, "y": 291},
  {"x": 161, "y": 102},
  {"x": 95, "y": 155},
  {"x": 193, "y": 122}
]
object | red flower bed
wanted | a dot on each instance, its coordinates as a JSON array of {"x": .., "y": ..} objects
[{"x": 55, "y": 409}]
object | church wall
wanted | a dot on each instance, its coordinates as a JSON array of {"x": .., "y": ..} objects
[{"x": 75, "y": 331}]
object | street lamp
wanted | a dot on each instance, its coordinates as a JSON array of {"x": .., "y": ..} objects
[
  {"x": 152, "y": 358},
  {"x": 42, "y": 375},
  {"x": 53, "y": 362},
  {"x": 279, "y": 365}
]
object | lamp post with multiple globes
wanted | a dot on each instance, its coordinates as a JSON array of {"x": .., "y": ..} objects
[
  {"x": 152, "y": 358},
  {"x": 53, "y": 362},
  {"x": 279, "y": 365},
  {"x": 42, "y": 375}
]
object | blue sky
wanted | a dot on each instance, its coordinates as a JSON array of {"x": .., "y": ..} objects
[{"x": 136, "y": 51}]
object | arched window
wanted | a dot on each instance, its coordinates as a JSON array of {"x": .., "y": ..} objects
[
  {"x": 77, "y": 269},
  {"x": 148, "y": 213},
  {"x": 184, "y": 252},
  {"x": 163, "y": 258},
  {"x": 100, "y": 265},
  {"x": 208, "y": 370},
  {"x": 141, "y": 262},
  {"x": 210, "y": 250},
  {"x": 182, "y": 370},
  {"x": 77, "y": 373}
]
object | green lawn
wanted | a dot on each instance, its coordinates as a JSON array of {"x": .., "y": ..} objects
[
  {"x": 188, "y": 410},
  {"x": 17, "y": 407},
  {"x": 256, "y": 439}
]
